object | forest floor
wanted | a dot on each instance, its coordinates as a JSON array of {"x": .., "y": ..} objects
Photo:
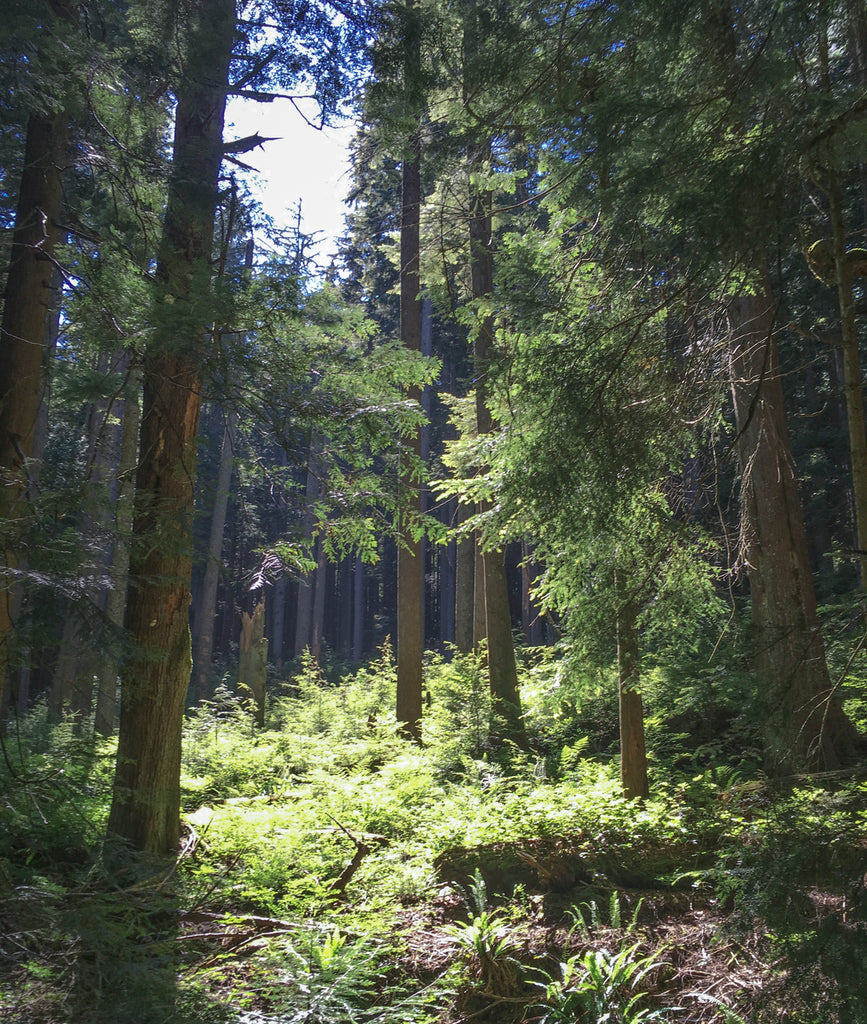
[{"x": 332, "y": 872}]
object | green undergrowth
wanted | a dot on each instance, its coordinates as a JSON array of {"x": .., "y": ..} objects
[{"x": 314, "y": 853}]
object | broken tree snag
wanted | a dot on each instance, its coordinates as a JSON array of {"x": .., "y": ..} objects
[{"x": 253, "y": 665}]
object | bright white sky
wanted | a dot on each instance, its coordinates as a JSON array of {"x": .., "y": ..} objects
[{"x": 302, "y": 163}]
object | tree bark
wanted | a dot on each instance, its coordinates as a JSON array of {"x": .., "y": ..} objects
[
  {"x": 804, "y": 725},
  {"x": 145, "y": 809},
  {"x": 28, "y": 302},
  {"x": 410, "y": 558}
]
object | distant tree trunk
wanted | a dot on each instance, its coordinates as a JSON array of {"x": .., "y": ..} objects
[
  {"x": 278, "y": 621},
  {"x": 448, "y": 566},
  {"x": 205, "y": 608},
  {"x": 480, "y": 612},
  {"x": 358, "y": 611},
  {"x": 532, "y": 619},
  {"x": 76, "y": 665},
  {"x": 465, "y": 604},
  {"x": 304, "y": 608},
  {"x": 28, "y": 302},
  {"x": 345, "y": 595},
  {"x": 853, "y": 386},
  {"x": 410, "y": 558},
  {"x": 804, "y": 726},
  {"x": 145, "y": 809},
  {"x": 502, "y": 668},
  {"x": 280, "y": 591},
  {"x": 253, "y": 663},
  {"x": 633, "y": 758},
  {"x": 214, "y": 564},
  {"x": 20, "y": 601},
  {"x": 320, "y": 586},
  {"x": 115, "y": 602}
]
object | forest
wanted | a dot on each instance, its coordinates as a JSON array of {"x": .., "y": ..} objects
[{"x": 468, "y": 625}]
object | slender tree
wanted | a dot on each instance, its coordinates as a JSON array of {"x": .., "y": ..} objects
[
  {"x": 410, "y": 553},
  {"x": 118, "y": 568},
  {"x": 410, "y": 558},
  {"x": 502, "y": 667}
]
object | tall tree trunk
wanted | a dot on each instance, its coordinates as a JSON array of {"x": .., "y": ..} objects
[
  {"x": 118, "y": 572},
  {"x": 214, "y": 564},
  {"x": 145, "y": 809},
  {"x": 804, "y": 726},
  {"x": 502, "y": 668},
  {"x": 28, "y": 302},
  {"x": 410, "y": 557}
]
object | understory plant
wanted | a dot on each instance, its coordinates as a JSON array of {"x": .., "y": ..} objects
[
  {"x": 599, "y": 987},
  {"x": 485, "y": 943}
]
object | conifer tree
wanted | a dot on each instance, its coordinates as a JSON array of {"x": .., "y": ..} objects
[
  {"x": 146, "y": 805},
  {"x": 410, "y": 556},
  {"x": 28, "y": 298}
]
